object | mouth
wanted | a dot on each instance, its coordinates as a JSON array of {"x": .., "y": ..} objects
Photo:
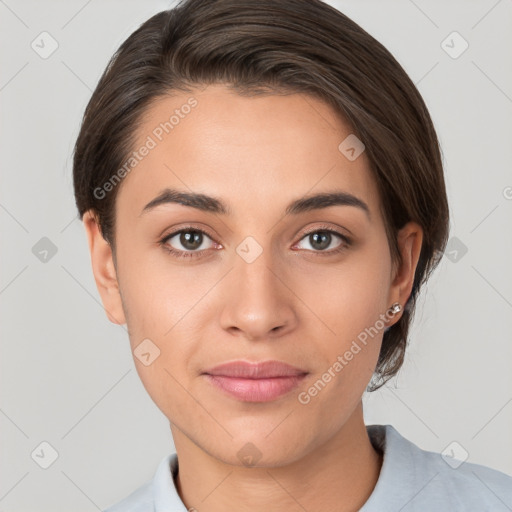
[{"x": 255, "y": 382}]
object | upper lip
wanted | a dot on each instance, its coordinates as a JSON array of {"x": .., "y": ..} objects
[{"x": 256, "y": 370}]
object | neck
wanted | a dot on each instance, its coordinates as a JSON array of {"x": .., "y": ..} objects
[{"x": 338, "y": 475}]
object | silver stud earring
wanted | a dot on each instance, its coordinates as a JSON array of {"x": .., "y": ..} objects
[{"x": 396, "y": 307}]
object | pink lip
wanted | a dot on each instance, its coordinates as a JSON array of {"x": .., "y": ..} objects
[{"x": 255, "y": 382}]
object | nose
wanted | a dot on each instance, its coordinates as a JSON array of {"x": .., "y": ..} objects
[{"x": 258, "y": 301}]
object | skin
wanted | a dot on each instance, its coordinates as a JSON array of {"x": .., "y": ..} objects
[{"x": 293, "y": 303}]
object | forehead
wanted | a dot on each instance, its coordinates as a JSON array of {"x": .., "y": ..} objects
[{"x": 253, "y": 151}]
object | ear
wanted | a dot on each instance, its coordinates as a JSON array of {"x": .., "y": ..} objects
[
  {"x": 410, "y": 239},
  {"x": 104, "y": 270}
]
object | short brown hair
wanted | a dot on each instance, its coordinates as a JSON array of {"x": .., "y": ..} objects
[{"x": 267, "y": 47}]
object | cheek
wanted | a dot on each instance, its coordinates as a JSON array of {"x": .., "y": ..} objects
[
  {"x": 350, "y": 308},
  {"x": 166, "y": 314},
  {"x": 349, "y": 297},
  {"x": 159, "y": 295}
]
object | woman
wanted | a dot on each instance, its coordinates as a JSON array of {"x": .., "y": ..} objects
[{"x": 262, "y": 191}]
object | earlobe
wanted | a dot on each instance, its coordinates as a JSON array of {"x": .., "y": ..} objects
[
  {"x": 410, "y": 239},
  {"x": 103, "y": 269}
]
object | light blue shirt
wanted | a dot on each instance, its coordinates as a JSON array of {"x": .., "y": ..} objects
[{"x": 410, "y": 480}]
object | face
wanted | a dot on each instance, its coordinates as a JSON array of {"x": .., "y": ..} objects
[{"x": 201, "y": 287}]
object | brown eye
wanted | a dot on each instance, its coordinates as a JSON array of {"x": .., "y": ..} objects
[
  {"x": 190, "y": 240},
  {"x": 186, "y": 242},
  {"x": 321, "y": 240}
]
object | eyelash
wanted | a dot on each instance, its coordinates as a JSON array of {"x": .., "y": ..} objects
[{"x": 198, "y": 254}]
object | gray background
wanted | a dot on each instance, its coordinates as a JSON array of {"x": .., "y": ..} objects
[{"x": 67, "y": 375}]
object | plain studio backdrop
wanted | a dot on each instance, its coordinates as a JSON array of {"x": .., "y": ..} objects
[{"x": 70, "y": 397}]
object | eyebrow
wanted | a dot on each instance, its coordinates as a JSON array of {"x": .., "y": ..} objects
[{"x": 214, "y": 205}]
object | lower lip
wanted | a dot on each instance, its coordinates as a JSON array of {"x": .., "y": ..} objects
[{"x": 256, "y": 390}]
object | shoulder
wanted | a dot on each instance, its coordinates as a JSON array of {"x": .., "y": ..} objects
[
  {"x": 415, "y": 479},
  {"x": 158, "y": 494},
  {"x": 466, "y": 485}
]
